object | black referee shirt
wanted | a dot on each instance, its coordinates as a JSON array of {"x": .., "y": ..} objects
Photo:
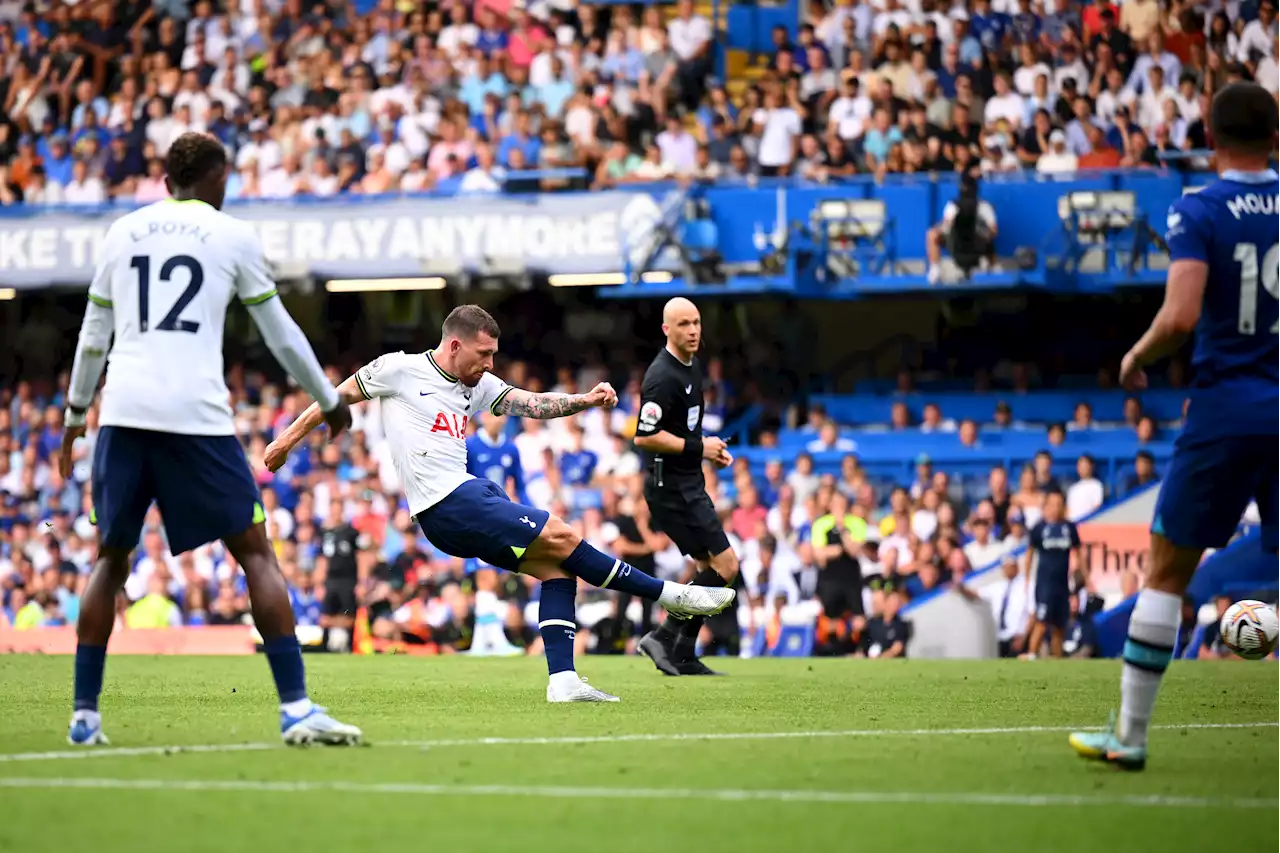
[{"x": 671, "y": 401}]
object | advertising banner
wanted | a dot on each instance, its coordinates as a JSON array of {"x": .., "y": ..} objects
[
  {"x": 219, "y": 640},
  {"x": 369, "y": 238}
]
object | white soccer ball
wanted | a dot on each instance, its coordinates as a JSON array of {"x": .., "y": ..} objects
[{"x": 1249, "y": 629}]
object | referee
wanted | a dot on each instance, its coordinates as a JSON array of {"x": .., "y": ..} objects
[{"x": 670, "y": 434}]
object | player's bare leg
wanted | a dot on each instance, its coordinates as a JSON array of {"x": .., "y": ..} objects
[
  {"x": 673, "y": 646},
  {"x": 1035, "y": 642},
  {"x": 1055, "y": 642},
  {"x": 301, "y": 722},
  {"x": 93, "y": 631},
  {"x": 1153, "y": 631}
]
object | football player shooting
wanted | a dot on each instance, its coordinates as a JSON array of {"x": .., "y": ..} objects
[
  {"x": 167, "y": 274},
  {"x": 1223, "y": 284},
  {"x": 669, "y": 432},
  {"x": 427, "y": 402}
]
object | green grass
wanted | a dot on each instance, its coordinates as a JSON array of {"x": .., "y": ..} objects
[{"x": 824, "y": 781}]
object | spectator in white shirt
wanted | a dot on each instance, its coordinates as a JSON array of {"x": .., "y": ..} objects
[
  {"x": 851, "y": 111},
  {"x": 679, "y": 148},
  {"x": 780, "y": 128},
  {"x": 1057, "y": 159},
  {"x": 281, "y": 181},
  {"x": 394, "y": 154},
  {"x": 1009, "y": 607},
  {"x": 829, "y": 439},
  {"x": 1005, "y": 104},
  {"x": 984, "y": 549},
  {"x": 689, "y": 33},
  {"x": 690, "y": 37},
  {"x": 1024, "y": 78},
  {"x": 261, "y": 149},
  {"x": 322, "y": 182},
  {"x": 802, "y": 480},
  {"x": 1147, "y": 108},
  {"x": 1086, "y": 494},
  {"x": 416, "y": 178},
  {"x": 485, "y": 177},
  {"x": 40, "y": 190},
  {"x": 1070, "y": 67},
  {"x": 1155, "y": 55},
  {"x": 83, "y": 187},
  {"x": 460, "y": 35},
  {"x": 1259, "y": 35}
]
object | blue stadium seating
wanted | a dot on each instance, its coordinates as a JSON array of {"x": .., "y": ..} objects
[
  {"x": 1041, "y": 407},
  {"x": 794, "y": 641}
]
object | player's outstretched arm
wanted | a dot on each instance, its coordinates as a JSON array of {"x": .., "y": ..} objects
[
  {"x": 278, "y": 451},
  {"x": 526, "y": 404},
  {"x": 291, "y": 348}
]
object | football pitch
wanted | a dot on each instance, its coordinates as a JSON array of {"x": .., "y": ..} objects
[{"x": 783, "y": 755}]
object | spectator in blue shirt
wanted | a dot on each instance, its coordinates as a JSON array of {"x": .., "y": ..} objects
[
  {"x": 552, "y": 95},
  {"x": 578, "y": 465},
  {"x": 57, "y": 166},
  {"x": 521, "y": 138},
  {"x": 492, "y": 38},
  {"x": 485, "y": 80},
  {"x": 87, "y": 103},
  {"x": 492, "y": 455},
  {"x": 880, "y": 138}
]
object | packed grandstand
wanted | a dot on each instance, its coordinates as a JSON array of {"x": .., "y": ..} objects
[{"x": 375, "y": 98}]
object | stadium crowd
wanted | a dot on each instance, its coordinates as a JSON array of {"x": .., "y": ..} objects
[
  {"x": 346, "y": 542},
  {"x": 379, "y": 96}
]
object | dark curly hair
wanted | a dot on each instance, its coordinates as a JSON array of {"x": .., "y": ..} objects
[{"x": 193, "y": 157}]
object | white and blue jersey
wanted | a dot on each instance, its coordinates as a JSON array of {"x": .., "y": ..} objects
[{"x": 1227, "y": 453}]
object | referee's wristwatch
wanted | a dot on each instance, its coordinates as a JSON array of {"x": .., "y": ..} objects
[{"x": 74, "y": 416}]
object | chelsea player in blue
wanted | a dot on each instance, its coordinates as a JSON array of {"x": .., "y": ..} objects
[{"x": 1223, "y": 284}]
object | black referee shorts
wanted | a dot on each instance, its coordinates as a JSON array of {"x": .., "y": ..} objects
[
  {"x": 339, "y": 599},
  {"x": 689, "y": 518}
]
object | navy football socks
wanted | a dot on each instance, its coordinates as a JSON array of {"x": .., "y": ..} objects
[
  {"x": 90, "y": 662},
  {"x": 285, "y": 657},
  {"x": 599, "y": 569},
  {"x": 556, "y": 622}
]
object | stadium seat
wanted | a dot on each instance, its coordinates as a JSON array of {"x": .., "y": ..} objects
[{"x": 794, "y": 641}]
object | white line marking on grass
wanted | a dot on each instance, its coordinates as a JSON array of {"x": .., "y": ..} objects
[
  {"x": 127, "y": 752},
  {"x": 725, "y": 795}
]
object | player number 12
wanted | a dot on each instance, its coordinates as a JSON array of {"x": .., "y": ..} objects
[{"x": 170, "y": 323}]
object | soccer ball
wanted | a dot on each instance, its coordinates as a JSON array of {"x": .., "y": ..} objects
[{"x": 1249, "y": 629}]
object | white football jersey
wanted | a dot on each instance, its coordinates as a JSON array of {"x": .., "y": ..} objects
[
  {"x": 425, "y": 412},
  {"x": 168, "y": 271}
]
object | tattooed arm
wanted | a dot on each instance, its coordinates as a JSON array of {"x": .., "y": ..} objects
[{"x": 526, "y": 404}]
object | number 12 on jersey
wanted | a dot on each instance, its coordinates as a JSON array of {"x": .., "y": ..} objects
[
  {"x": 171, "y": 322},
  {"x": 1247, "y": 256}
]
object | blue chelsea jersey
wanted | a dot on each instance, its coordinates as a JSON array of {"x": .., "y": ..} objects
[
  {"x": 1231, "y": 225},
  {"x": 495, "y": 461}
]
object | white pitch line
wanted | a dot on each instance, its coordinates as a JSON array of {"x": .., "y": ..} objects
[
  {"x": 127, "y": 752},
  {"x": 684, "y": 794}
]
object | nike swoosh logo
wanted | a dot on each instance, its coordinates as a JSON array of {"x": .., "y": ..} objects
[
  {"x": 688, "y": 389},
  {"x": 425, "y": 393}
]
